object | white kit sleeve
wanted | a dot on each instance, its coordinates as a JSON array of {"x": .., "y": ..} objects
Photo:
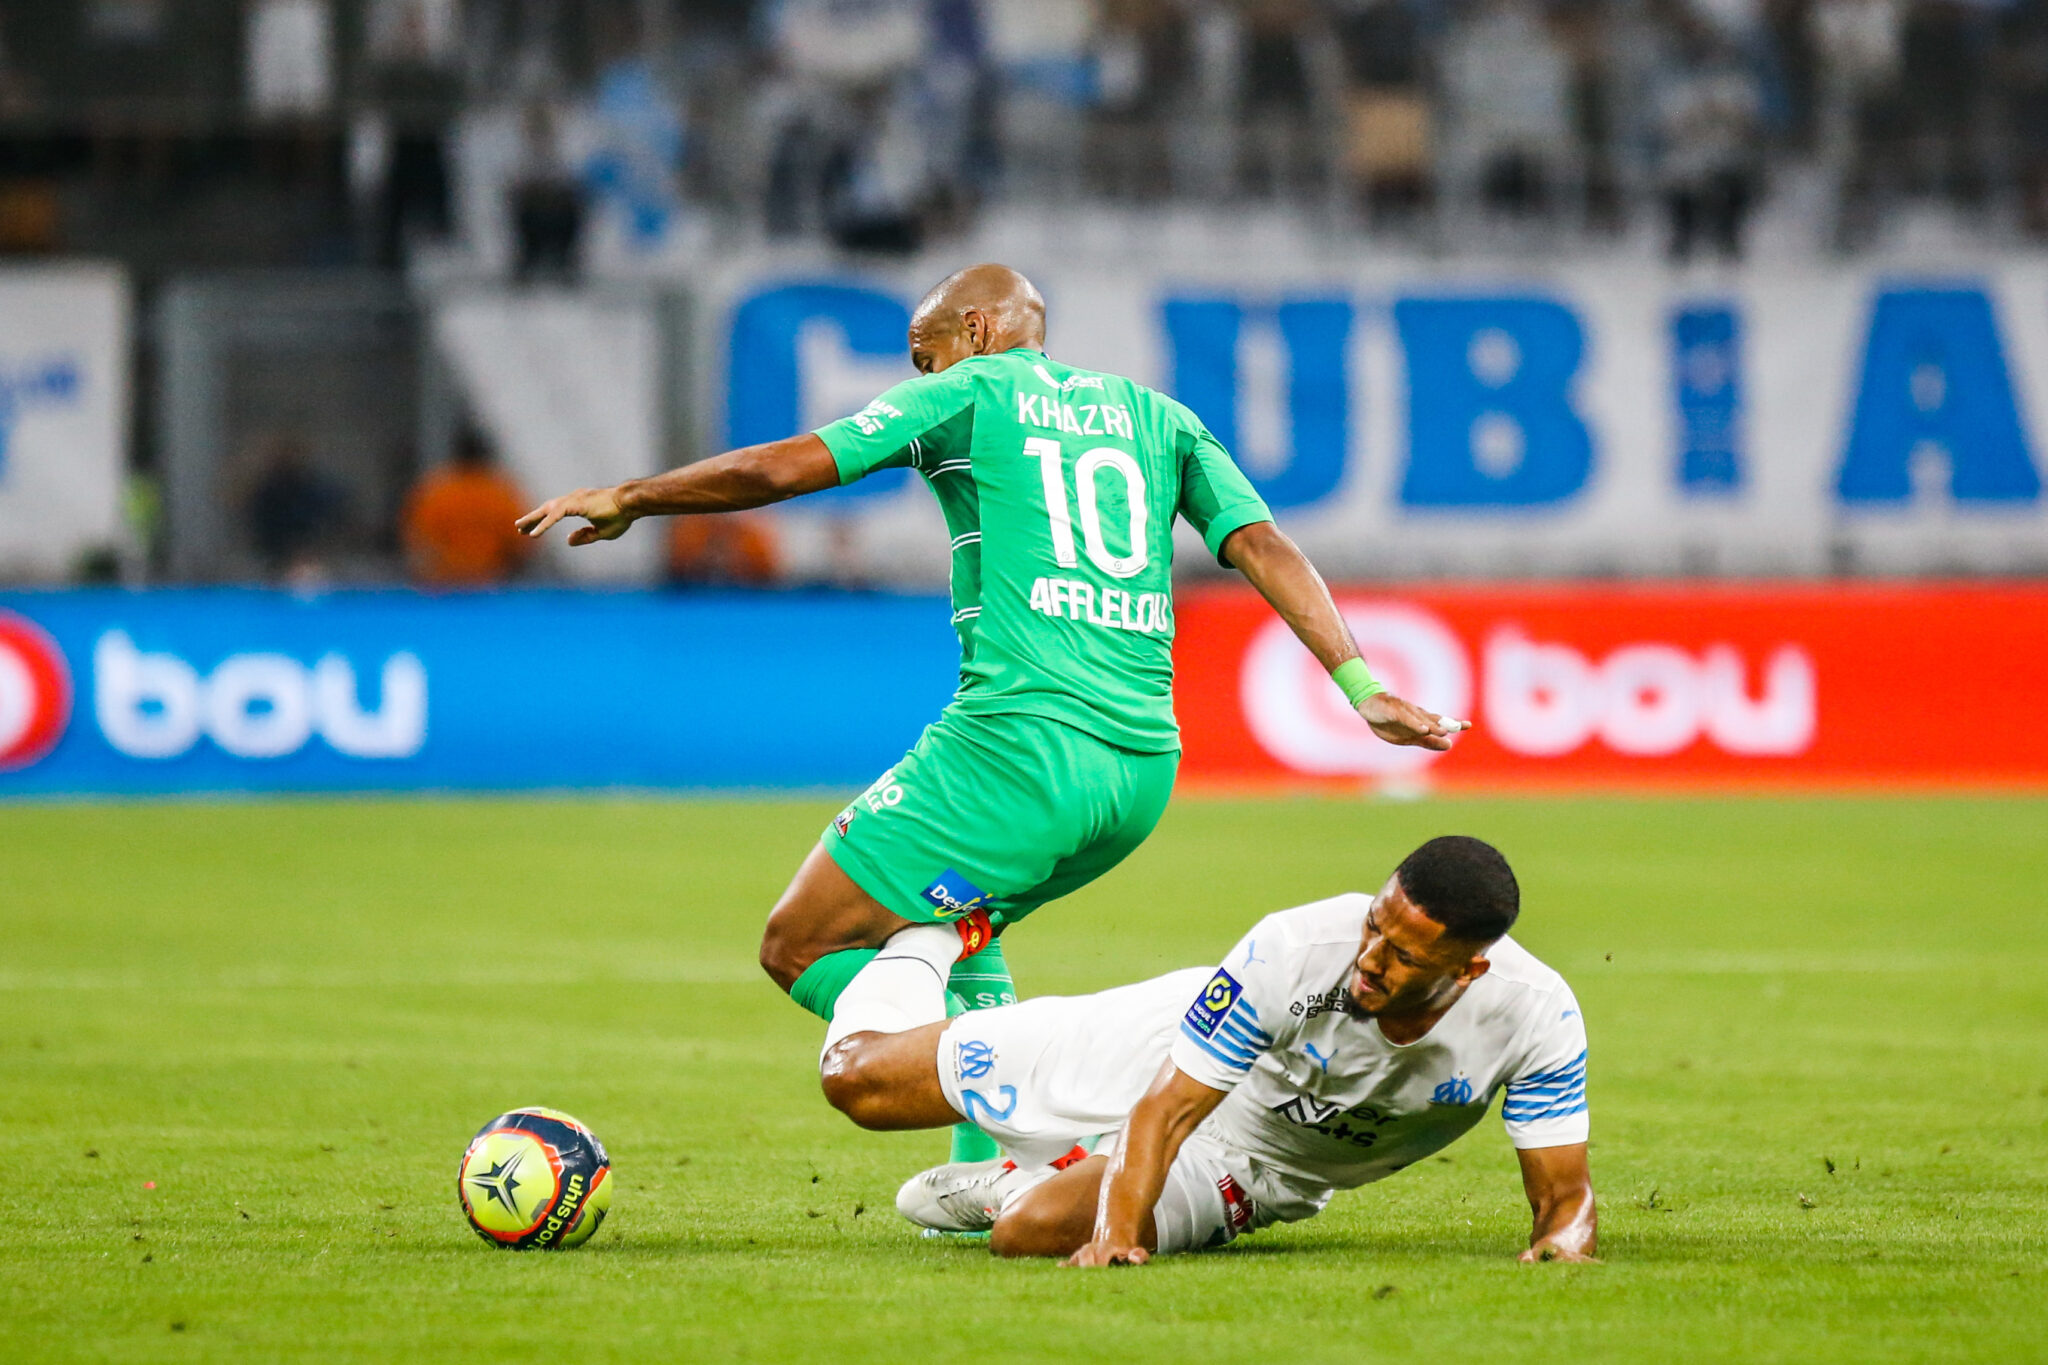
[
  {"x": 1238, "y": 1013},
  {"x": 1546, "y": 1097}
]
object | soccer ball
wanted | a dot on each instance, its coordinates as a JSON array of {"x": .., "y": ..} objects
[{"x": 535, "y": 1178}]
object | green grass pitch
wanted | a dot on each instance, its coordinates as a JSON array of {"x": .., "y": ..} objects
[{"x": 1819, "y": 1079}]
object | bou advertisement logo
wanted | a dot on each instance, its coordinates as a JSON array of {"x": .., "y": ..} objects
[
  {"x": 1535, "y": 697},
  {"x": 35, "y": 692},
  {"x": 254, "y": 705}
]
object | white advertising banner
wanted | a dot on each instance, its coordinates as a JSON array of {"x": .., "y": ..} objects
[
  {"x": 1465, "y": 420},
  {"x": 64, "y": 334}
]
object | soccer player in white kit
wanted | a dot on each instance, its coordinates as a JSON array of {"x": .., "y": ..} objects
[{"x": 1337, "y": 1043}]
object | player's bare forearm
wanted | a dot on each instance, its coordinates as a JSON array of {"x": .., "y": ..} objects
[
  {"x": 756, "y": 476},
  {"x": 1172, "y": 1109},
  {"x": 1560, "y": 1189},
  {"x": 1275, "y": 565}
]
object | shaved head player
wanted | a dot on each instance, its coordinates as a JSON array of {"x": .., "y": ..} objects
[{"x": 1060, "y": 487}]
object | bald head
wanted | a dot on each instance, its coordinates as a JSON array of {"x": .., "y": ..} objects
[{"x": 982, "y": 310}]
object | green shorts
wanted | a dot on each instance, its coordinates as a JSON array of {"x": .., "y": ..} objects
[{"x": 998, "y": 812}]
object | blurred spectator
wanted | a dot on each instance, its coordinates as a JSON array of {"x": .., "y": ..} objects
[
  {"x": 30, "y": 216},
  {"x": 1387, "y": 125},
  {"x": 547, "y": 202},
  {"x": 855, "y": 44},
  {"x": 737, "y": 549},
  {"x": 295, "y": 513},
  {"x": 836, "y": 65},
  {"x": 1506, "y": 83},
  {"x": 1144, "y": 58},
  {"x": 290, "y": 62},
  {"x": 1856, "y": 44},
  {"x": 2023, "y": 87},
  {"x": 125, "y": 20},
  {"x": 1709, "y": 121},
  {"x": 878, "y": 184},
  {"x": 1279, "y": 96},
  {"x": 640, "y": 143},
  {"x": 18, "y": 92},
  {"x": 876, "y": 123},
  {"x": 457, "y": 524},
  {"x": 1943, "y": 82},
  {"x": 1045, "y": 52},
  {"x": 413, "y": 46}
]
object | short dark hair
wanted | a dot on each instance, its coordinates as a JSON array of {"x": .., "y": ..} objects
[
  {"x": 472, "y": 448},
  {"x": 1463, "y": 884}
]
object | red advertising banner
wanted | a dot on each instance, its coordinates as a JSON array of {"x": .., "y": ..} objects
[{"x": 1857, "y": 685}]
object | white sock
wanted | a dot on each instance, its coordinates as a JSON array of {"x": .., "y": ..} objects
[{"x": 903, "y": 988}]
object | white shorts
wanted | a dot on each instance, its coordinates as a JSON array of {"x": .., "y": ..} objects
[
  {"x": 1041, "y": 1075},
  {"x": 1209, "y": 1196},
  {"x": 1044, "y": 1074}
]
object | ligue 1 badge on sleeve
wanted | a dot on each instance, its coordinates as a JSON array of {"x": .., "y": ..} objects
[{"x": 1205, "y": 1016}]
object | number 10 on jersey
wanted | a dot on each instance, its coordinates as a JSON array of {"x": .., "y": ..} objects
[{"x": 1051, "y": 459}]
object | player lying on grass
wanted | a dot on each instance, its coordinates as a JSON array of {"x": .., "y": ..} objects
[
  {"x": 1060, "y": 488},
  {"x": 1338, "y": 1043}
]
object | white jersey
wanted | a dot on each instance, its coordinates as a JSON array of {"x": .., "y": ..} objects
[{"x": 1321, "y": 1099}]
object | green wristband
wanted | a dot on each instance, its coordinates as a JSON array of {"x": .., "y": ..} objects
[{"x": 1357, "y": 681}]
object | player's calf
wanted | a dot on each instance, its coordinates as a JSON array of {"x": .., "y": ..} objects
[{"x": 1055, "y": 1218}]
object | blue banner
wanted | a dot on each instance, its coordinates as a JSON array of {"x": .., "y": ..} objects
[{"x": 244, "y": 690}]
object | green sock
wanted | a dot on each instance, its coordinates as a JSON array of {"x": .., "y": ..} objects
[
  {"x": 982, "y": 982},
  {"x": 819, "y": 988}
]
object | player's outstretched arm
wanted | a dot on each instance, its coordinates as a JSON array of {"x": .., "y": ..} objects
[
  {"x": 1284, "y": 577},
  {"x": 755, "y": 476},
  {"x": 1560, "y": 1189},
  {"x": 1173, "y": 1108}
]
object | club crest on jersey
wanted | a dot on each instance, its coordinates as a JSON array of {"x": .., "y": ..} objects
[
  {"x": 952, "y": 894},
  {"x": 1456, "y": 1090},
  {"x": 974, "y": 1059},
  {"x": 1205, "y": 1016}
]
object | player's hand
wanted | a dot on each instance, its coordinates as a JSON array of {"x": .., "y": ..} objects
[
  {"x": 1401, "y": 722},
  {"x": 1550, "y": 1252},
  {"x": 598, "y": 506},
  {"x": 1100, "y": 1253}
]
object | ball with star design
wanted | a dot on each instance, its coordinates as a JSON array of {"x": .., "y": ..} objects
[{"x": 535, "y": 1178}]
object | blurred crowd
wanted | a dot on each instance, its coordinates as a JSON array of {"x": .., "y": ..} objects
[
  {"x": 539, "y": 125},
  {"x": 541, "y": 140}
]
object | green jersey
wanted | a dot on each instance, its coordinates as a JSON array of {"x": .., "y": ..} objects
[{"x": 1059, "y": 488}]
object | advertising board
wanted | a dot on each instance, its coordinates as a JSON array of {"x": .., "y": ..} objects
[
  {"x": 1834, "y": 686},
  {"x": 1840, "y": 687},
  {"x": 234, "y": 690},
  {"x": 64, "y": 339}
]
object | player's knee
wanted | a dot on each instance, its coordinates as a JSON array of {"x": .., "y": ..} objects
[
  {"x": 853, "y": 1084},
  {"x": 785, "y": 955}
]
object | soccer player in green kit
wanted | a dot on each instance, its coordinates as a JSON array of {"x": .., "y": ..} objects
[{"x": 1060, "y": 488}]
